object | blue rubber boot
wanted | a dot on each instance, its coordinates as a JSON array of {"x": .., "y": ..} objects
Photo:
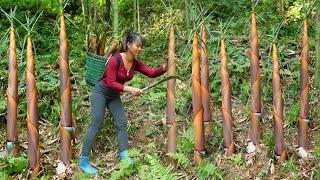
[
  {"x": 123, "y": 155},
  {"x": 86, "y": 167}
]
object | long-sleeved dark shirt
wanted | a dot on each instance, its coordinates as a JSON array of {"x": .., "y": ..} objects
[{"x": 114, "y": 78}]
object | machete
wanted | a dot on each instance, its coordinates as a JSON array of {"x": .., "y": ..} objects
[{"x": 165, "y": 79}]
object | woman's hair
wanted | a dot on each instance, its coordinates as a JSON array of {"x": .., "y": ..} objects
[
  {"x": 133, "y": 37},
  {"x": 122, "y": 47}
]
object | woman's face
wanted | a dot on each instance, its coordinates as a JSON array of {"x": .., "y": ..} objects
[{"x": 135, "y": 47}]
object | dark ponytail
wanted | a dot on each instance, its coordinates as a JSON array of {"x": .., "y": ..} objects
[{"x": 132, "y": 37}]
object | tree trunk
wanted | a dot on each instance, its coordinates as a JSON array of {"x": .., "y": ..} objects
[
  {"x": 186, "y": 11},
  {"x": 317, "y": 70},
  {"x": 135, "y": 15},
  {"x": 138, "y": 14},
  {"x": 95, "y": 11},
  {"x": 107, "y": 12},
  {"x": 281, "y": 6},
  {"x": 84, "y": 6},
  {"x": 115, "y": 17}
]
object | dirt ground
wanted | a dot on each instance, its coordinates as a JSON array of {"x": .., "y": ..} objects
[{"x": 146, "y": 126}]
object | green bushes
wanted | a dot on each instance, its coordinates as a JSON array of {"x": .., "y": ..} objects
[{"x": 12, "y": 165}]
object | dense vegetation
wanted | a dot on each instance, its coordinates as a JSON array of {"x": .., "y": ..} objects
[{"x": 148, "y": 133}]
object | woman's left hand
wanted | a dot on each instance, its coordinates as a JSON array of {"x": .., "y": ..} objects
[{"x": 165, "y": 66}]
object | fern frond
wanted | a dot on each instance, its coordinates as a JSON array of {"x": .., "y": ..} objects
[
  {"x": 126, "y": 169},
  {"x": 156, "y": 170},
  {"x": 208, "y": 170},
  {"x": 186, "y": 141},
  {"x": 182, "y": 159}
]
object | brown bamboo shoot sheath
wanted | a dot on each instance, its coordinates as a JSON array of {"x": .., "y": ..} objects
[
  {"x": 100, "y": 42},
  {"x": 255, "y": 68},
  {"x": 172, "y": 147},
  {"x": 304, "y": 90},
  {"x": 92, "y": 43},
  {"x": 277, "y": 105},
  {"x": 12, "y": 95},
  {"x": 304, "y": 75},
  {"x": 226, "y": 102},
  {"x": 172, "y": 82},
  {"x": 255, "y": 82},
  {"x": 65, "y": 90},
  {"x": 32, "y": 112},
  {"x": 205, "y": 91},
  {"x": 102, "y": 46},
  {"x": 205, "y": 76},
  {"x": 255, "y": 130},
  {"x": 196, "y": 97},
  {"x": 303, "y": 129}
]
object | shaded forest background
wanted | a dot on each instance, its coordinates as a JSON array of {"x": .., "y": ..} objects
[{"x": 147, "y": 113}]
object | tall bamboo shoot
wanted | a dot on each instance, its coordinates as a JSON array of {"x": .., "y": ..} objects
[
  {"x": 171, "y": 83},
  {"x": 65, "y": 90},
  {"x": 205, "y": 92},
  {"x": 226, "y": 101},
  {"x": 304, "y": 90},
  {"x": 32, "y": 112},
  {"x": 12, "y": 96},
  {"x": 170, "y": 94},
  {"x": 255, "y": 82},
  {"x": 196, "y": 101},
  {"x": 277, "y": 106}
]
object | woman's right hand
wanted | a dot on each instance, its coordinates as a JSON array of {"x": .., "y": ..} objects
[{"x": 134, "y": 91}]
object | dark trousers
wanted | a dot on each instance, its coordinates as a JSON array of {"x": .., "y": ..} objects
[{"x": 102, "y": 97}]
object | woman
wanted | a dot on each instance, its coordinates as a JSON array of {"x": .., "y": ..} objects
[{"x": 120, "y": 69}]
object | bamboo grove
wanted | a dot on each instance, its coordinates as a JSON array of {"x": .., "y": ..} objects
[
  {"x": 202, "y": 118},
  {"x": 32, "y": 98},
  {"x": 256, "y": 114}
]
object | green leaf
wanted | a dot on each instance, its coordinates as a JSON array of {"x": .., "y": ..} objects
[
  {"x": 4, "y": 175},
  {"x": 2, "y": 105},
  {"x": 17, "y": 164},
  {"x": 208, "y": 170}
]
